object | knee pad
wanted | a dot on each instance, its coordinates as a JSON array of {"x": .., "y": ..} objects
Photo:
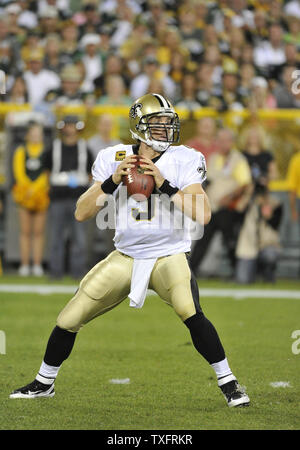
[{"x": 76, "y": 312}]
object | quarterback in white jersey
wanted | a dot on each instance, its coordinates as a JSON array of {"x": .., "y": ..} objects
[
  {"x": 147, "y": 255},
  {"x": 155, "y": 229}
]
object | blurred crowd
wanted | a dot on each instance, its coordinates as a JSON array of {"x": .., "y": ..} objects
[
  {"x": 230, "y": 54},
  {"x": 224, "y": 55}
]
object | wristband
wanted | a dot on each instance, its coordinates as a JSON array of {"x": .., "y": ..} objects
[
  {"x": 108, "y": 186},
  {"x": 166, "y": 188}
]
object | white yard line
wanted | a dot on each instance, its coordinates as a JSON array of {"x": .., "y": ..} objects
[
  {"x": 45, "y": 289},
  {"x": 238, "y": 293},
  {"x": 279, "y": 384},
  {"x": 249, "y": 293}
]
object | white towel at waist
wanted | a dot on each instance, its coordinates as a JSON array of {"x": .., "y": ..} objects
[{"x": 141, "y": 273}]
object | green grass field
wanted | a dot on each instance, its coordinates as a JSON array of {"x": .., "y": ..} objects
[{"x": 171, "y": 387}]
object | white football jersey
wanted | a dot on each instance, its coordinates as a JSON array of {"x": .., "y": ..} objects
[{"x": 154, "y": 227}]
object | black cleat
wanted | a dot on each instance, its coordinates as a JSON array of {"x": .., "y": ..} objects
[
  {"x": 235, "y": 395},
  {"x": 34, "y": 390}
]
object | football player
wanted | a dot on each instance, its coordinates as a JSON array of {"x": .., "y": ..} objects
[{"x": 147, "y": 255}]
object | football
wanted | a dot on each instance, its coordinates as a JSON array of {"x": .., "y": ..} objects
[{"x": 138, "y": 184}]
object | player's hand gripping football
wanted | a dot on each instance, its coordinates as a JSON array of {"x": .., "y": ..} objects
[
  {"x": 152, "y": 169},
  {"x": 122, "y": 168}
]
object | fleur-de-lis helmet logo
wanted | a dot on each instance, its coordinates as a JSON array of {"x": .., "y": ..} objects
[{"x": 135, "y": 110}]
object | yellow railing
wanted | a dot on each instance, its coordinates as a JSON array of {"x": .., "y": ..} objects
[
  {"x": 290, "y": 114},
  {"x": 122, "y": 111},
  {"x": 281, "y": 126},
  {"x": 6, "y": 108}
]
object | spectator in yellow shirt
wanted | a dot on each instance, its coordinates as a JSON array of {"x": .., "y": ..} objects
[
  {"x": 294, "y": 186},
  {"x": 30, "y": 192}
]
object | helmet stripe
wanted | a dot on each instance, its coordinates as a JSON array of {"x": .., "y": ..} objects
[{"x": 163, "y": 102}]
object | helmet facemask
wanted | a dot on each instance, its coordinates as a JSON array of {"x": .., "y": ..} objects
[{"x": 158, "y": 135}]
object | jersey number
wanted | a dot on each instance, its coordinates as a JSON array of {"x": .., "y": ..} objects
[{"x": 144, "y": 215}]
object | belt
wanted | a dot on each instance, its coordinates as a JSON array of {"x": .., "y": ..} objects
[{"x": 159, "y": 257}]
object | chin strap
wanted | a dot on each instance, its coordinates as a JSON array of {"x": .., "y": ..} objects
[
  {"x": 156, "y": 145},
  {"x": 160, "y": 148}
]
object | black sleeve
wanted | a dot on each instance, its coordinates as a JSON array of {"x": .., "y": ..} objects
[
  {"x": 275, "y": 220},
  {"x": 90, "y": 161},
  {"x": 268, "y": 158},
  {"x": 47, "y": 160}
]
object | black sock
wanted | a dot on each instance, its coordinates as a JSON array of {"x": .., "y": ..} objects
[
  {"x": 59, "y": 346},
  {"x": 205, "y": 338}
]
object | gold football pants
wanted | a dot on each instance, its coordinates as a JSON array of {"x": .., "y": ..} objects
[{"x": 107, "y": 284}]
